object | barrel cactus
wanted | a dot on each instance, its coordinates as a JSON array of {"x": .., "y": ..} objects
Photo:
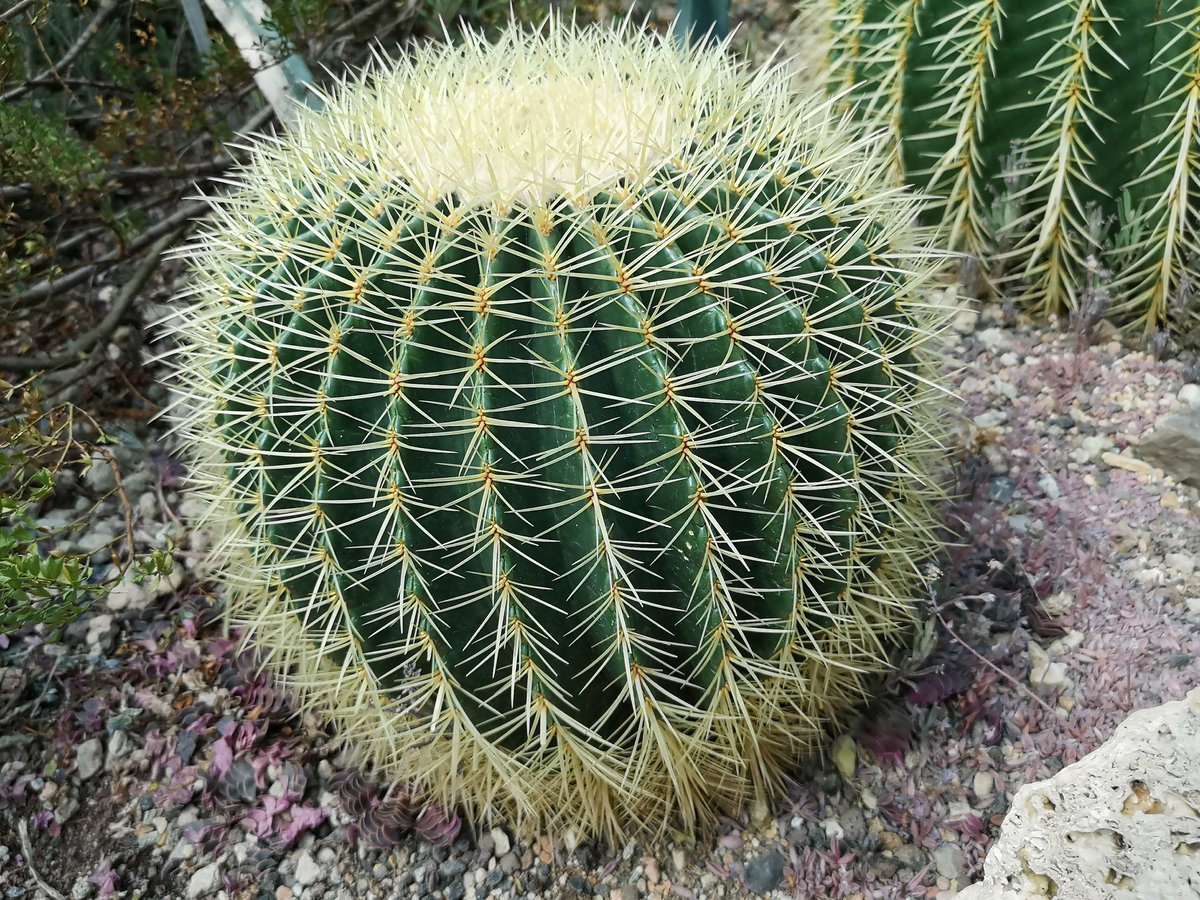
[
  {"x": 563, "y": 415},
  {"x": 1060, "y": 137}
]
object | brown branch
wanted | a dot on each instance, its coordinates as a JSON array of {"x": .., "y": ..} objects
[
  {"x": 44, "y": 289},
  {"x": 85, "y": 342},
  {"x": 56, "y": 70},
  {"x": 15, "y": 9}
]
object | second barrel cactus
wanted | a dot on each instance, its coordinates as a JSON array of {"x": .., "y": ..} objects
[
  {"x": 1058, "y": 137},
  {"x": 563, "y": 414}
]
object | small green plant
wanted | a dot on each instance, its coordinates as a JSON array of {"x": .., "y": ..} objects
[
  {"x": 566, "y": 435},
  {"x": 40, "y": 583},
  {"x": 1049, "y": 132}
]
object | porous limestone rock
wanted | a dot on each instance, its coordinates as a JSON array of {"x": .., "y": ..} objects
[{"x": 1123, "y": 822}]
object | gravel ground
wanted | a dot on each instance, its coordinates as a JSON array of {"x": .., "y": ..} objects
[{"x": 144, "y": 757}]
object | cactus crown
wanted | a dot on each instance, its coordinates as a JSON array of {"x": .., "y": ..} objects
[{"x": 562, "y": 407}]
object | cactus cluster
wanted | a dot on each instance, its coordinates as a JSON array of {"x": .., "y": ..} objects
[
  {"x": 564, "y": 415},
  {"x": 1059, "y": 138}
]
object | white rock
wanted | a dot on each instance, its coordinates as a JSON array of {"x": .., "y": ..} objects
[
  {"x": 1189, "y": 394},
  {"x": 1123, "y": 822},
  {"x": 1043, "y": 672},
  {"x": 501, "y": 842},
  {"x": 984, "y": 784},
  {"x": 1072, "y": 640},
  {"x": 994, "y": 339},
  {"x": 1180, "y": 563},
  {"x": 99, "y": 474},
  {"x": 204, "y": 881},
  {"x": 89, "y": 758},
  {"x": 307, "y": 869},
  {"x": 128, "y": 594},
  {"x": 119, "y": 745},
  {"x": 1091, "y": 447},
  {"x": 1049, "y": 486},
  {"x": 991, "y": 418}
]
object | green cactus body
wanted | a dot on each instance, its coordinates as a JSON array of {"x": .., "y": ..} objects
[
  {"x": 577, "y": 474},
  {"x": 1056, "y": 136}
]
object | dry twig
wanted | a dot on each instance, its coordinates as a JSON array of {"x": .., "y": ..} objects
[
  {"x": 85, "y": 342},
  {"x": 57, "y": 69},
  {"x": 27, "y": 852}
]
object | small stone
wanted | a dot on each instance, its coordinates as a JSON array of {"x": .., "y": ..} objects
[
  {"x": 120, "y": 745},
  {"x": 1091, "y": 447},
  {"x": 765, "y": 873},
  {"x": 500, "y": 842},
  {"x": 1189, "y": 395},
  {"x": 101, "y": 636},
  {"x": 204, "y": 881},
  {"x": 624, "y": 892},
  {"x": 580, "y": 884},
  {"x": 99, "y": 475},
  {"x": 452, "y": 867},
  {"x": 1043, "y": 672},
  {"x": 82, "y": 888},
  {"x": 89, "y": 758},
  {"x": 911, "y": 857},
  {"x": 992, "y": 418},
  {"x": 845, "y": 756},
  {"x": 1049, "y": 486},
  {"x": 650, "y": 867},
  {"x": 1128, "y": 463},
  {"x": 964, "y": 321},
  {"x": 994, "y": 339},
  {"x": 284, "y": 893},
  {"x": 679, "y": 860},
  {"x": 486, "y": 846},
  {"x": 1058, "y": 604},
  {"x": 951, "y": 863},
  {"x": 984, "y": 784},
  {"x": 884, "y": 866},
  {"x": 307, "y": 869},
  {"x": 1180, "y": 563},
  {"x": 854, "y": 825},
  {"x": 66, "y": 810},
  {"x": 760, "y": 811},
  {"x": 509, "y": 863}
]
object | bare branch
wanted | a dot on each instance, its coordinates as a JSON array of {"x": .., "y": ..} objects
[
  {"x": 85, "y": 342},
  {"x": 15, "y": 9},
  {"x": 56, "y": 70},
  {"x": 44, "y": 289},
  {"x": 27, "y": 852}
]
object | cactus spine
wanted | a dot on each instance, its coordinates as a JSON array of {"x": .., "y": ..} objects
[
  {"x": 563, "y": 414},
  {"x": 1055, "y": 134}
]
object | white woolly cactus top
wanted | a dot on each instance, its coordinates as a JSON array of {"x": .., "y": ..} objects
[{"x": 560, "y": 112}]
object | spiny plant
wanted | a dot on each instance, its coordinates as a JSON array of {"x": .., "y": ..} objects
[
  {"x": 563, "y": 415},
  {"x": 1051, "y": 133}
]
